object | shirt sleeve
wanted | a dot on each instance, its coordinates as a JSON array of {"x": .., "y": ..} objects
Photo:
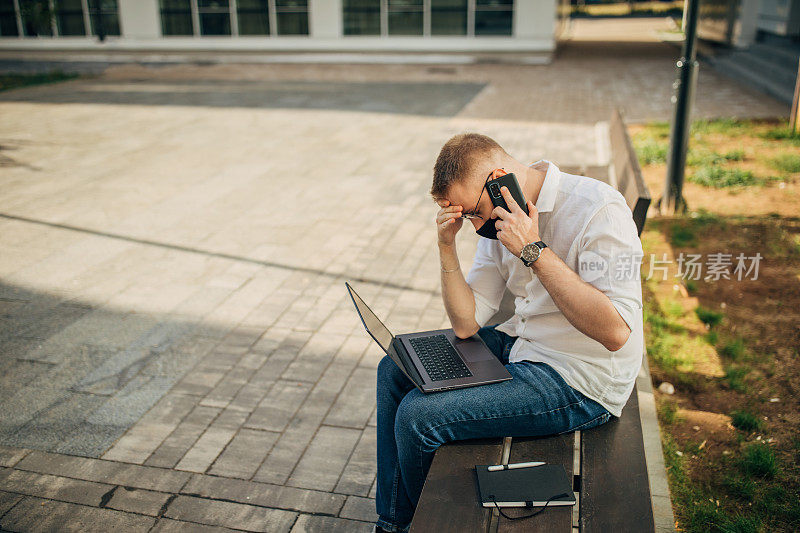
[
  {"x": 486, "y": 282},
  {"x": 610, "y": 258}
]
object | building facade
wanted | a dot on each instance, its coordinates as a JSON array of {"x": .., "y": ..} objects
[{"x": 281, "y": 25}]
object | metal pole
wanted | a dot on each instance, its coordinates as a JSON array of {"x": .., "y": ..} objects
[{"x": 672, "y": 200}]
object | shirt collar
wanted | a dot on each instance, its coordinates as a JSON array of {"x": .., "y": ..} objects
[{"x": 547, "y": 194}]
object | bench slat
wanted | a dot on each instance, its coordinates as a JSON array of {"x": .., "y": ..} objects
[
  {"x": 449, "y": 500},
  {"x": 615, "y": 491},
  {"x": 554, "y": 450}
]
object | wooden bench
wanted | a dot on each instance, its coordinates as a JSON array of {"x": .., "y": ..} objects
[{"x": 607, "y": 463}]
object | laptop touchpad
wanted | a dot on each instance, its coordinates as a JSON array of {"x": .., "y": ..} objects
[{"x": 473, "y": 350}]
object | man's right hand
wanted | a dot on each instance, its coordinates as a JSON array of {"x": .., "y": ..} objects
[{"x": 448, "y": 222}]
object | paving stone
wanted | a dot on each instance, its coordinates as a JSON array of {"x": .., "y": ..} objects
[
  {"x": 150, "y": 431},
  {"x": 229, "y": 514},
  {"x": 279, "y": 405},
  {"x": 175, "y": 446},
  {"x": 358, "y": 508},
  {"x": 212, "y": 442},
  {"x": 53, "y": 487},
  {"x": 35, "y": 514},
  {"x": 167, "y": 525},
  {"x": 325, "y": 458},
  {"x": 7, "y": 501},
  {"x": 263, "y": 494},
  {"x": 138, "y": 501},
  {"x": 243, "y": 455},
  {"x": 9, "y": 455},
  {"x": 328, "y": 524},
  {"x": 360, "y": 471},
  {"x": 354, "y": 405},
  {"x": 103, "y": 471}
]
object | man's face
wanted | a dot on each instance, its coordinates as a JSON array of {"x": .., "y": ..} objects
[{"x": 465, "y": 193}]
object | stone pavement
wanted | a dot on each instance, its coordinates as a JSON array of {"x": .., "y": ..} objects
[{"x": 178, "y": 350}]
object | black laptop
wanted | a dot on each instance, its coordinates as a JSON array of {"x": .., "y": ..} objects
[{"x": 434, "y": 360}]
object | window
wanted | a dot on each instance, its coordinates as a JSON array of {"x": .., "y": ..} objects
[
  {"x": 69, "y": 17},
  {"x": 448, "y": 17},
  {"x": 405, "y": 17},
  {"x": 8, "y": 19},
  {"x": 215, "y": 17},
  {"x": 176, "y": 17},
  {"x": 253, "y": 17},
  {"x": 104, "y": 17},
  {"x": 37, "y": 19},
  {"x": 493, "y": 17},
  {"x": 362, "y": 17},
  {"x": 292, "y": 17}
]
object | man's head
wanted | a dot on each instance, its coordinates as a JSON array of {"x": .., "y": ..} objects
[{"x": 461, "y": 169}]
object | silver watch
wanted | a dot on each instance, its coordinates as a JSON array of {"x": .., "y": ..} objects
[{"x": 531, "y": 252}]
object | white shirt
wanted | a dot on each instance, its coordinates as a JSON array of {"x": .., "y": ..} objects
[{"x": 586, "y": 223}]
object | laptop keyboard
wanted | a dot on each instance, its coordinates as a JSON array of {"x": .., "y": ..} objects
[{"x": 440, "y": 359}]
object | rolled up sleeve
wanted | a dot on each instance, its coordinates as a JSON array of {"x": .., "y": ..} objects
[
  {"x": 486, "y": 282},
  {"x": 610, "y": 259}
]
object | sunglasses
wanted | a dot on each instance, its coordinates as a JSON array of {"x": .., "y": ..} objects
[{"x": 493, "y": 174}]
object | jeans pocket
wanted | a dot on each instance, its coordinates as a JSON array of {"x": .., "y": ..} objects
[{"x": 599, "y": 420}]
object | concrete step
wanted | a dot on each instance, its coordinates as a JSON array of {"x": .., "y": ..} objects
[{"x": 758, "y": 78}]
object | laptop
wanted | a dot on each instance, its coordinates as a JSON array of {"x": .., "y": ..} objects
[{"x": 434, "y": 360}]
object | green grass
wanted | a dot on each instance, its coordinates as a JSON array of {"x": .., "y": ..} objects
[
  {"x": 734, "y": 349},
  {"x": 668, "y": 412},
  {"x": 728, "y": 126},
  {"x": 746, "y": 421},
  {"x": 740, "y": 486},
  {"x": 734, "y": 377},
  {"x": 650, "y": 151},
  {"x": 720, "y": 177},
  {"x": 691, "y": 286},
  {"x": 759, "y": 460},
  {"x": 681, "y": 235},
  {"x": 782, "y": 134},
  {"x": 13, "y": 81},
  {"x": 707, "y": 157},
  {"x": 709, "y": 317},
  {"x": 712, "y": 338},
  {"x": 786, "y": 163}
]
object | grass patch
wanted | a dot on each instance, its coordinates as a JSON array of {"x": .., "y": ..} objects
[
  {"x": 759, "y": 460},
  {"x": 707, "y": 157},
  {"x": 720, "y": 177},
  {"x": 740, "y": 486},
  {"x": 712, "y": 338},
  {"x": 782, "y": 134},
  {"x": 734, "y": 377},
  {"x": 786, "y": 163},
  {"x": 14, "y": 81},
  {"x": 668, "y": 412},
  {"x": 724, "y": 126},
  {"x": 709, "y": 317},
  {"x": 682, "y": 236},
  {"x": 746, "y": 421},
  {"x": 650, "y": 151},
  {"x": 733, "y": 349}
]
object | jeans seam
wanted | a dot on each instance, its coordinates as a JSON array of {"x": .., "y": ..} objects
[{"x": 578, "y": 427}]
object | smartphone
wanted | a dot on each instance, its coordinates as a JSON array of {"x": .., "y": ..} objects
[{"x": 508, "y": 180}]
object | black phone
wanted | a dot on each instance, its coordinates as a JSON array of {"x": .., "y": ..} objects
[{"x": 508, "y": 180}]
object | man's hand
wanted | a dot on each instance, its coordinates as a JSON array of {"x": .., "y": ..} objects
[
  {"x": 448, "y": 222},
  {"x": 515, "y": 229}
]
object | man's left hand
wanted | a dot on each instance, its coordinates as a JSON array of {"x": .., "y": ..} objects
[{"x": 515, "y": 229}]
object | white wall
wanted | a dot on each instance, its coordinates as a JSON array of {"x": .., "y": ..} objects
[
  {"x": 325, "y": 18},
  {"x": 534, "y": 19},
  {"x": 139, "y": 19}
]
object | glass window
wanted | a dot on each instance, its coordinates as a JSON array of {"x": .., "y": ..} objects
[
  {"x": 37, "y": 20},
  {"x": 215, "y": 17},
  {"x": 405, "y": 17},
  {"x": 176, "y": 17},
  {"x": 493, "y": 17},
  {"x": 69, "y": 17},
  {"x": 104, "y": 16},
  {"x": 448, "y": 17},
  {"x": 292, "y": 17},
  {"x": 253, "y": 17},
  {"x": 362, "y": 17},
  {"x": 8, "y": 19}
]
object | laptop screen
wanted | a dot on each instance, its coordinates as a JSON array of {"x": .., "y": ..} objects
[{"x": 380, "y": 332}]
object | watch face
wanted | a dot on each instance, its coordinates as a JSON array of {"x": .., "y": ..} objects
[{"x": 530, "y": 252}]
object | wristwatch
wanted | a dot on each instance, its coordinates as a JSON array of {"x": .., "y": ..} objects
[{"x": 531, "y": 252}]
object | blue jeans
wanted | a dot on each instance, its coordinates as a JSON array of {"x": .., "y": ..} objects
[{"x": 412, "y": 425}]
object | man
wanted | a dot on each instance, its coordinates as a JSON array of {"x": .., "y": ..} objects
[{"x": 574, "y": 345}]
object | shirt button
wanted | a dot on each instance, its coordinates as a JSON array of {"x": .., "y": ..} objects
[
  {"x": 523, "y": 320},
  {"x": 527, "y": 300}
]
